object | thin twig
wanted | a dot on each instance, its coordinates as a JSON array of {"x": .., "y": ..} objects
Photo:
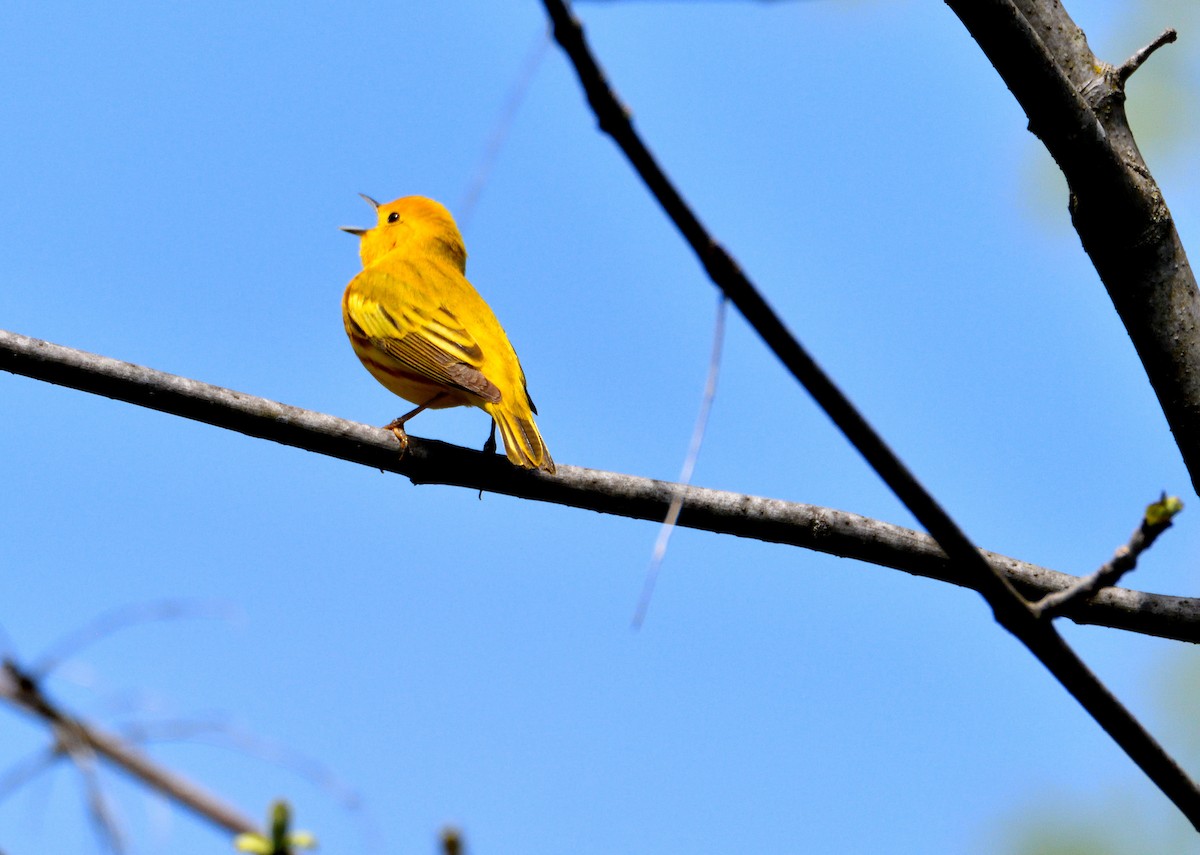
[
  {"x": 427, "y": 461},
  {"x": 689, "y": 466},
  {"x": 1135, "y": 62},
  {"x": 1011, "y": 610},
  {"x": 222, "y": 734},
  {"x": 104, "y": 819},
  {"x": 25, "y": 770},
  {"x": 504, "y": 123},
  {"x": 1155, "y": 521},
  {"x": 122, "y": 618}
]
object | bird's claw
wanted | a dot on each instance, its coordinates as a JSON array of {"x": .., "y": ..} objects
[{"x": 397, "y": 429}]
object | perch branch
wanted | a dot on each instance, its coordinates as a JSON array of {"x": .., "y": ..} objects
[{"x": 430, "y": 462}]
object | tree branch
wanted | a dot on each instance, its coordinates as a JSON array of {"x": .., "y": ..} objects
[
  {"x": 430, "y": 462},
  {"x": 23, "y": 692},
  {"x": 1155, "y": 521},
  {"x": 1136, "y": 61},
  {"x": 1076, "y": 106},
  {"x": 1011, "y": 610}
]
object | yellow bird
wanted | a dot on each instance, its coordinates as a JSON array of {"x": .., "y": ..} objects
[{"x": 424, "y": 332}]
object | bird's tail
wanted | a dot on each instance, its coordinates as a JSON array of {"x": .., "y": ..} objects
[{"x": 522, "y": 442}]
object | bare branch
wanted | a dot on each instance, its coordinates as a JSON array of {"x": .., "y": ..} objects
[
  {"x": 22, "y": 691},
  {"x": 1155, "y": 521},
  {"x": 1010, "y": 609},
  {"x": 614, "y": 120},
  {"x": 1075, "y": 105},
  {"x": 1135, "y": 62},
  {"x": 430, "y": 462},
  {"x": 104, "y": 818}
]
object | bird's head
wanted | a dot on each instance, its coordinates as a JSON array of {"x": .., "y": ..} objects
[{"x": 414, "y": 223}]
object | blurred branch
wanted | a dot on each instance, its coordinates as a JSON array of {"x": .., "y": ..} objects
[
  {"x": 1010, "y": 609},
  {"x": 220, "y": 733},
  {"x": 21, "y": 690},
  {"x": 103, "y": 817},
  {"x": 613, "y": 119},
  {"x": 500, "y": 131},
  {"x": 1076, "y": 106},
  {"x": 689, "y": 466},
  {"x": 119, "y": 619},
  {"x": 430, "y": 462}
]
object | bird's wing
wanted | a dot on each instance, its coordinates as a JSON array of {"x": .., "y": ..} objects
[{"x": 428, "y": 340}]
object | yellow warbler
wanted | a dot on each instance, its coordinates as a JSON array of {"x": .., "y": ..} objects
[{"x": 424, "y": 332}]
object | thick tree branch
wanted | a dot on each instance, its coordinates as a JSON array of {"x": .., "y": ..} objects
[
  {"x": 429, "y": 462},
  {"x": 1076, "y": 106},
  {"x": 1011, "y": 610},
  {"x": 23, "y": 692}
]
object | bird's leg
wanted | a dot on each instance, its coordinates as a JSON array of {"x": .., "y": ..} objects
[
  {"x": 396, "y": 426},
  {"x": 489, "y": 447}
]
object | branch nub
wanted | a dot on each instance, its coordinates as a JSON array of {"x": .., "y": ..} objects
[{"x": 1135, "y": 62}]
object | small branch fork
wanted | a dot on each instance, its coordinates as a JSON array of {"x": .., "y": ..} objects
[{"x": 1011, "y": 610}]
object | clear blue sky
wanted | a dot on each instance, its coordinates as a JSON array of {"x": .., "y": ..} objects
[{"x": 173, "y": 178}]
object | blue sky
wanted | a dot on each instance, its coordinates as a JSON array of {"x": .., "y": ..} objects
[{"x": 174, "y": 177}]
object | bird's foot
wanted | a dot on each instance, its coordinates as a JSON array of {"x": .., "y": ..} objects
[{"x": 397, "y": 429}]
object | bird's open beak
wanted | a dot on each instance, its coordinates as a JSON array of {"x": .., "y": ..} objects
[{"x": 356, "y": 231}]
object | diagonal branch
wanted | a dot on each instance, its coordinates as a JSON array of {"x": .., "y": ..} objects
[
  {"x": 22, "y": 691},
  {"x": 429, "y": 462},
  {"x": 1011, "y": 610},
  {"x": 614, "y": 120},
  {"x": 1076, "y": 106}
]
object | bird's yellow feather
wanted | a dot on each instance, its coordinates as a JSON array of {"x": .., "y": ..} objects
[{"x": 423, "y": 331}]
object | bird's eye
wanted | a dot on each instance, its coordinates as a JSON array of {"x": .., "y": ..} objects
[{"x": 393, "y": 217}]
